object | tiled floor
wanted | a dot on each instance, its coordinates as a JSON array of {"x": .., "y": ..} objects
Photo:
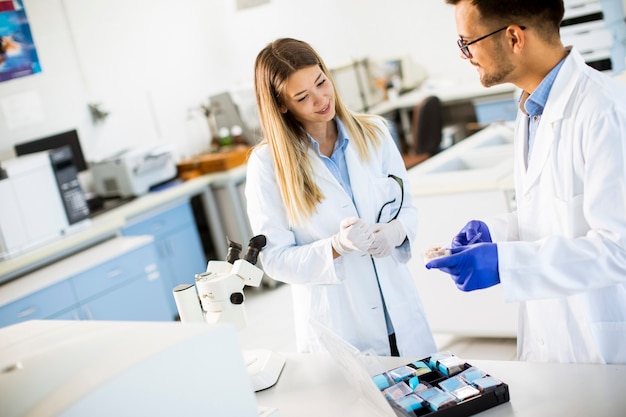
[{"x": 270, "y": 326}]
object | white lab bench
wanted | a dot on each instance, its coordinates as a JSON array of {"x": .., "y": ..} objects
[
  {"x": 65, "y": 368},
  {"x": 54, "y": 368},
  {"x": 312, "y": 385},
  {"x": 471, "y": 180}
]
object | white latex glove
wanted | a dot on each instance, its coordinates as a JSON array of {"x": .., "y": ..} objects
[
  {"x": 354, "y": 235},
  {"x": 386, "y": 237}
]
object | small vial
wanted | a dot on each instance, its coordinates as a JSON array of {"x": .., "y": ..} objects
[
  {"x": 225, "y": 138},
  {"x": 237, "y": 133}
]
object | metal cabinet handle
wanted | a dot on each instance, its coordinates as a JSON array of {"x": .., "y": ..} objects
[
  {"x": 27, "y": 312},
  {"x": 157, "y": 226},
  {"x": 87, "y": 313},
  {"x": 115, "y": 272}
]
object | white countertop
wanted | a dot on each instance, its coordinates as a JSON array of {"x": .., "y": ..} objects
[
  {"x": 54, "y": 368},
  {"x": 483, "y": 161},
  {"x": 312, "y": 385},
  {"x": 96, "y": 363}
]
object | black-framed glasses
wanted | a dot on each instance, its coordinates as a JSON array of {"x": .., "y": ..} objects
[
  {"x": 401, "y": 184},
  {"x": 464, "y": 46}
]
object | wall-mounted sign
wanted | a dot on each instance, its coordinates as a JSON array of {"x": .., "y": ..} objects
[{"x": 18, "y": 56}]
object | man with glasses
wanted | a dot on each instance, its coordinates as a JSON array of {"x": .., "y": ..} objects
[{"x": 562, "y": 253}]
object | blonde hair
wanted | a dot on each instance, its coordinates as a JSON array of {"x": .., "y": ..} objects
[{"x": 287, "y": 141}]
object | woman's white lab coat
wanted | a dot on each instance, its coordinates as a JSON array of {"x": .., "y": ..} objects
[
  {"x": 569, "y": 270},
  {"x": 342, "y": 294}
]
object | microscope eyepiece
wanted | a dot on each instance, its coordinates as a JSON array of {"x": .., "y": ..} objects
[
  {"x": 254, "y": 247},
  {"x": 234, "y": 249}
]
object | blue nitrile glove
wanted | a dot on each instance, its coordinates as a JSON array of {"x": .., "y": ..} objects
[
  {"x": 471, "y": 267},
  {"x": 469, "y": 232}
]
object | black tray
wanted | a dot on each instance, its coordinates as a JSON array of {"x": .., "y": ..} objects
[{"x": 488, "y": 398}]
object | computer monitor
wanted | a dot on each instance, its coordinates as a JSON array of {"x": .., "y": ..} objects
[
  {"x": 56, "y": 141},
  {"x": 399, "y": 71},
  {"x": 499, "y": 108}
]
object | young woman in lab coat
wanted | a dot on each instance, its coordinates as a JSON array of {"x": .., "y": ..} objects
[
  {"x": 562, "y": 254},
  {"x": 328, "y": 189}
]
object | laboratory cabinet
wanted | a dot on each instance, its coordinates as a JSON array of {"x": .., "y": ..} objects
[
  {"x": 597, "y": 29},
  {"x": 128, "y": 287},
  {"x": 142, "y": 299},
  {"x": 178, "y": 244},
  {"x": 115, "y": 280},
  {"x": 55, "y": 301}
]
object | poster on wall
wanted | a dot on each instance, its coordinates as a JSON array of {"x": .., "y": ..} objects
[{"x": 18, "y": 56}]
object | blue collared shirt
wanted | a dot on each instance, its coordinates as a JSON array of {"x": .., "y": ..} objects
[
  {"x": 336, "y": 164},
  {"x": 536, "y": 102}
]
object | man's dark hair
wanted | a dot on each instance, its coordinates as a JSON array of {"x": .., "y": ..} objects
[{"x": 545, "y": 16}]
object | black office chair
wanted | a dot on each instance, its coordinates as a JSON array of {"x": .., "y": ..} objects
[{"x": 426, "y": 131}]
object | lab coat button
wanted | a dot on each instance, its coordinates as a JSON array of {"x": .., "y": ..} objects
[{"x": 540, "y": 341}]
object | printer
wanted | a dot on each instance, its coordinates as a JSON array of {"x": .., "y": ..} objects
[{"x": 132, "y": 172}]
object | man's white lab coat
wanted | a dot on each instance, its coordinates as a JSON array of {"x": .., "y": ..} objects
[{"x": 569, "y": 270}]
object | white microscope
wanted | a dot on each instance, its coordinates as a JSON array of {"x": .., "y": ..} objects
[{"x": 217, "y": 297}]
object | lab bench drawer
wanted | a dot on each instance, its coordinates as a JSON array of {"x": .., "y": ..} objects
[
  {"x": 50, "y": 301},
  {"x": 138, "y": 300},
  {"x": 140, "y": 262},
  {"x": 162, "y": 223},
  {"x": 587, "y": 36}
]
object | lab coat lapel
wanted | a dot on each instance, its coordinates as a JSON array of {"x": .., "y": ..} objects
[
  {"x": 539, "y": 154},
  {"x": 553, "y": 113},
  {"x": 325, "y": 177},
  {"x": 521, "y": 142},
  {"x": 359, "y": 182}
]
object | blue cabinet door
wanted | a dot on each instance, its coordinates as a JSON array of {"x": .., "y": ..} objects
[
  {"x": 162, "y": 223},
  {"x": 51, "y": 301},
  {"x": 140, "y": 299},
  {"x": 184, "y": 257},
  {"x": 127, "y": 287},
  {"x": 74, "y": 314},
  {"x": 115, "y": 272},
  {"x": 179, "y": 249}
]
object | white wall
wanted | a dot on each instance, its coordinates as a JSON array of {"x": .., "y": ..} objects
[{"x": 150, "y": 61}]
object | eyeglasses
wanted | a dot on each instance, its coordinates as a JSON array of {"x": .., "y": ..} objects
[
  {"x": 464, "y": 46},
  {"x": 401, "y": 184}
]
